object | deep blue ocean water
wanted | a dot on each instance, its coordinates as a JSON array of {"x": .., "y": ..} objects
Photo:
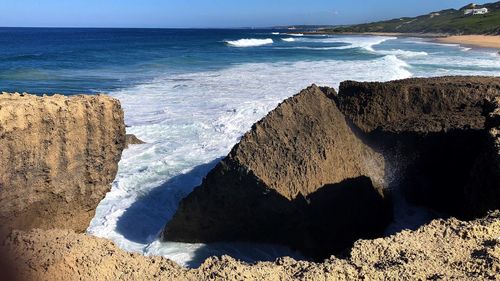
[
  {"x": 191, "y": 94},
  {"x": 67, "y": 60}
]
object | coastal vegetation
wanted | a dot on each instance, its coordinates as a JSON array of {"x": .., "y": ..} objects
[{"x": 450, "y": 21}]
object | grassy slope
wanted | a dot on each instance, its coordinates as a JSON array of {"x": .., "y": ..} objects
[{"x": 448, "y": 21}]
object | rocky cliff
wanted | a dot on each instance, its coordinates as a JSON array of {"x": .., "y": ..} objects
[
  {"x": 305, "y": 174},
  {"x": 289, "y": 181},
  {"x": 423, "y": 105},
  {"x": 58, "y": 158}
]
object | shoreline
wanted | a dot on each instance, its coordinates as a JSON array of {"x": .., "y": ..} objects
[
  {"x": 477, "y": 41},
  {"x": 482, "y": 41}
]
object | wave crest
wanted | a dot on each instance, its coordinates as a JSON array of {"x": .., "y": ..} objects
[
  {"x": 251, "y": 42},
  {"x": 288, "y": 39}
]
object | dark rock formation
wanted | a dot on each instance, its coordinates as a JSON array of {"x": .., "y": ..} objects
[
  {"x": 58, "y": 158},
  {"x": 419, "y": 104},
  {"x": 432, "y": 134},
  {"x": 483, "y": 188},
  {"x": 268, "y": 188},
  {"x": 132, "y": 139}
]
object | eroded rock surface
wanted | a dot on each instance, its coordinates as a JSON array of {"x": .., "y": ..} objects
[
  {"x": 442, "y": 250},
  {"x": 58, "y": 158},
  {"x": 264, "y": 190},
  {"x": 418, "y": 104}
]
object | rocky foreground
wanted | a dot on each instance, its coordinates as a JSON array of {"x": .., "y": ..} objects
[
  {"x": 443, "y": 250},
  {"x": 319, "y": 173}
]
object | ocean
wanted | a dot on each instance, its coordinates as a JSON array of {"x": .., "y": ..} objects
[{"x": 192, "y": 93}]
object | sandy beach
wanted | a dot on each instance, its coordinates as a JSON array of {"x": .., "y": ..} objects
[{"x": 485, "y": 41}]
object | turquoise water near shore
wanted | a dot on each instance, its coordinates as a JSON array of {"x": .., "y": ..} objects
[{"x": 190, "y": 94}]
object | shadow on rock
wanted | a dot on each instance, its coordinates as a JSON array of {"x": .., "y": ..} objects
[{"x": 325, "y": 222}]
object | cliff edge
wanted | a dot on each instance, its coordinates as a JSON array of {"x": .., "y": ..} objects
[{"x": 59, "y": 157}]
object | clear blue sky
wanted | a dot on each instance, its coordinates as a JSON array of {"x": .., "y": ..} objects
[{"x": 209, "y": 13}]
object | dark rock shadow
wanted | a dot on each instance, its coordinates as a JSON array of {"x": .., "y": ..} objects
[
  {"x": 145, "y": 218},
  {"x": 339, "y": 214},
  {"x": 325, "y": 222},
  {"x": 434, "y": 170}
]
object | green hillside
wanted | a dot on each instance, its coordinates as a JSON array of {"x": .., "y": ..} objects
[{"x": 447, "y": 21}]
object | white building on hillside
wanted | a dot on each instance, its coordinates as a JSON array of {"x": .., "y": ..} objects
[{"x": 481, "y": 11}]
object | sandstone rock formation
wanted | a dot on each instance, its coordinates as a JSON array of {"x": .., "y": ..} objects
[
  {"x": 58, "y": 158},
  {"x": 273, "y": 185},
  {"x": 431, "y": 132},
  {"x": 442, "y": 250}
]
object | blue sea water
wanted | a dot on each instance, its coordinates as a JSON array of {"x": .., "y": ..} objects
[{"x": 191, "y": 93}]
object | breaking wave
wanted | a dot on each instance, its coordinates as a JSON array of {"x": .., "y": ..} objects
[{"x": 250, "y": 42}]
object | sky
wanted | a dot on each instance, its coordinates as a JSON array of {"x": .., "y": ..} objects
[{"x": 209, "y": 13}]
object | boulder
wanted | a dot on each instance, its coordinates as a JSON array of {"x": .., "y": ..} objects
[
  {"x": 132, "y": 139},
  {"x": 59, "y": 156},
  {"x": 267, "y": 188}
]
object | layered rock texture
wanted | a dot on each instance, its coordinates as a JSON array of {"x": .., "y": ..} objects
[
  {"x": 442, "y": 250},
  {"x": 290, "y": 180},
  {"x": 318, "y": 172},
  {"x": 59, "y": 156}
]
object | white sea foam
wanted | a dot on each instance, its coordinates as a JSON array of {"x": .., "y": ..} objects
[
  {"x": 402, "y": 53},
  {"x": 364, "y": 42},
  {"x": 288, "y": 39},
  {"x": 308, "y": 48},
  {"x": 275, "y": 33},
  {"x": 474, "y": 64},
  {"x": 189, "y": 122},
  {"x": 250, "y": 42},
  {"x": 296, "y": 34}
]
